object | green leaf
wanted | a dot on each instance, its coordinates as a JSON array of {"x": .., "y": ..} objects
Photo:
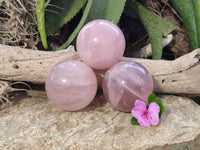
[
  {"x": 59, "y": 12},
  {"x": 1, "y": 1},
  {"x": 47, "y": 3},
  {"x": 95, "y": 9},
  {"x": 186, "y": 10},
  {"x": 81, "y": 23},
  {"x": 196, "y": 5},
  {"x": 134, "y": 121},
  {"x": 106, "y": 9},
  {"x": 155, "y": 26},
  {"x": 40, "y": 5},
  {"x": 152, "y": 98}
]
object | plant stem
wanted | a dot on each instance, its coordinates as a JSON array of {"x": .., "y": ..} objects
[
  {"x": 40, "y": 5},
  {"x": 81, "y": 23}
]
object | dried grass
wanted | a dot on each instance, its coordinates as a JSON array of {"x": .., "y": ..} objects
[
  {"x": 18, "y": 25},
  {"x": 6, "y": 88}
]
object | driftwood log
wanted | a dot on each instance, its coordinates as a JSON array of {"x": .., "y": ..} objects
[{"x": 180, "y": 76}]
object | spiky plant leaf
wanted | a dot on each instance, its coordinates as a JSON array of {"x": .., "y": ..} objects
[
  {"x": 106, "y": 9},
  {"x": 81, "y": 23},
  {"x": 59, "y": 12},
  {"x": 196, "y": 5},
  {"x": 40, "y": 5},
  {"x": 186, "y": 10},
  {"x": 155, "y": 26},
  {"x": 95, "y": 9}
]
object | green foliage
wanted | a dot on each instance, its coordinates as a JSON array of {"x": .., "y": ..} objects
[
  {"x": 95, "y": 9},
  {"x": 154, "y": 25},
  {"x": 196, "y": 5},
  {"x": 81, "y": 23},
  {"x": 152, "y": 98},
  {"x": 106, "y": 9},
  {"x": 134, "y": 121},
  {"x": 40, "y": 5},
  {"x": 189, "y": 11},
  {"x": 47, "y": 3},
  {"x": 60, "y": 12}
]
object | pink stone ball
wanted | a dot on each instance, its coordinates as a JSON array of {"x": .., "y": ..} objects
[
  {"x": 124, "y": 83},
  {"x": 100, "y": 44},
  {"x": 71, "y": 85}
]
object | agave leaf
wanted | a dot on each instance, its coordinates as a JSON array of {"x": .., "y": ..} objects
[
  {"x": 196, "y": 5},
  {"x": 106, "y": 9},
  {"x": 47, "y": 3},
  {"x": 95, "y": 9},
  {"x": 186, "y": 10},
  {"x": 40, "y": 5},
  {"x": 155, "y": 26},
  {"x": 81, "y": 23},
  {"x": 59, "y": 12}
]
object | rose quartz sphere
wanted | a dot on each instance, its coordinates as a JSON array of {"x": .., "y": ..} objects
[
  {"x": 71, "y": 85},
  {"x": 100, "y": 44},
  {"x": 126, "y": 82}
]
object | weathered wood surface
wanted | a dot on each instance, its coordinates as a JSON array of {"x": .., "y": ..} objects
[{"x": 180, "y": 76}]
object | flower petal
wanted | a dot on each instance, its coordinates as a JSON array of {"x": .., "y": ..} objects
[
  {"x": 153, "y": 116},
  {"x": 140, "y": 105},
  {"x": 153, "y": 119},
  {"x": 138, "y": 112},
  {"x": 154, "y": 108},
  {"x": 138, "y": 109},
  {"x": 144, "y": 122}
]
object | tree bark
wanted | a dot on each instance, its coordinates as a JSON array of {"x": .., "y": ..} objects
[{"x": 180, "y": 76}]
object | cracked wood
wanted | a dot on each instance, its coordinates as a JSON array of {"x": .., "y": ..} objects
[{"x": 180, "y": 76}]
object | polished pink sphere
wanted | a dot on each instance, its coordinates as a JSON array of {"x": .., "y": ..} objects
[
  {"x": 126, "y": 82},
  {"x": 100, "y": 44},
  {"x": 71, "y": 85}
]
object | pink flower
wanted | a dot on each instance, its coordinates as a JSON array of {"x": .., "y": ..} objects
[{"x": 146, "y": 117}]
